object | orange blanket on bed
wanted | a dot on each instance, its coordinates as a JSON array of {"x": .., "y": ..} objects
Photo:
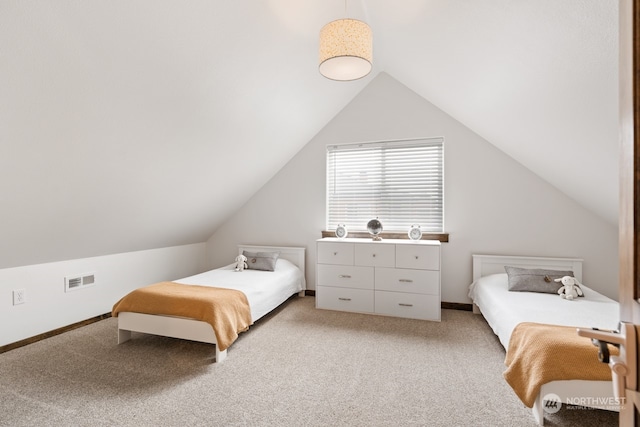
[
  {"x": 226, "y": 310},
  {"x": 540, "y": 353}
]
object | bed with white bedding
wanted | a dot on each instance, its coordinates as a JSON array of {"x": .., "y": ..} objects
[
  {"x": 264, "y": 291},
  {"x": 504, "y": 309}
]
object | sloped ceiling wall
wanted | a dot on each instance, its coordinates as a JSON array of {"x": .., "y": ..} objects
[
  {"x": 538, "y": 79},
  {"x": 136, "y": 125},
  {"x": 492, "y": 204}
]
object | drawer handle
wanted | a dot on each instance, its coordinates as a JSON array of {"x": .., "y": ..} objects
[
  {"x": 374, "y": 255},
  {"x": 416, "y": 256},
  {"x": 344, "y": 299},
  {"x": 405, "y": 305},
  {"x": 344, "y": 276},
  {"x": 335, "y": 253},
  {"x": 406, "y": 281}
]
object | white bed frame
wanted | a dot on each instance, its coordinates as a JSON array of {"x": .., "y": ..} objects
[
  {"x": 569, "y": 390},
  {"x": 191, "y": 329}
]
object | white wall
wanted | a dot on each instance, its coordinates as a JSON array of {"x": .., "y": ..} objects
[
  {"x": 47, "y": 305},
  {"x": 493, "y": 205}
]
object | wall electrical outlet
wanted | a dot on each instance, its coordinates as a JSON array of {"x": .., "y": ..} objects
[{"x": 19, "y": 296}]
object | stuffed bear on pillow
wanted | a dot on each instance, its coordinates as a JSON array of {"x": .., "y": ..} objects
[{"x": 570, "y": 288}]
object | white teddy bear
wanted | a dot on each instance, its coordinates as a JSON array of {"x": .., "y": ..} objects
[
  {"x": 241, "y": 262},
  {"x": 570, "y": 288}
]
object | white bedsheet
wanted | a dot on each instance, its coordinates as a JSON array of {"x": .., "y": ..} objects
[
  {"x": 503, "y": 309},
  {"x": 265, "y": 290}
]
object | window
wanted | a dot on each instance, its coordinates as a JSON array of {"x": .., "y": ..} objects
[{"x": 399, "y": 182}]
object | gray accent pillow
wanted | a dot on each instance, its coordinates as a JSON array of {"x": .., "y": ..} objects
[
  {"x": 265, "y": 261},
  {"x": 535, "y": 279}
]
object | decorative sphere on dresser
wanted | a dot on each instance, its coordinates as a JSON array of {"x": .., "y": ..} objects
[{"x": 375, "y": 228}]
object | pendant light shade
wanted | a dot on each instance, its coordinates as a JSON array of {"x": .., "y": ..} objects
[{"x": 346, "y": 47}]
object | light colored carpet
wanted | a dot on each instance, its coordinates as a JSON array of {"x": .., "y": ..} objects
[{"x": 296, "y": 367}]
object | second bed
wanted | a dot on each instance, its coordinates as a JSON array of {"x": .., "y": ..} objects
[{"x": 504, "y": 310}]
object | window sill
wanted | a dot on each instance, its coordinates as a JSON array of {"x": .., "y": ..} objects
[{"x": 442, "y": 237}]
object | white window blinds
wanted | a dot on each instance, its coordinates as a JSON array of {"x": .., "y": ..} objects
[{"x": 399, "y": 182}]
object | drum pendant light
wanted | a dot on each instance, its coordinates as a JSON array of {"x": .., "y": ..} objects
[{"x": 346, "y": 47}]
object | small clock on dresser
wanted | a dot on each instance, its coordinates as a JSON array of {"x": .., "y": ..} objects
[
  {"x": 341, "y": 231},
  {"x": 414, "y": 232}
]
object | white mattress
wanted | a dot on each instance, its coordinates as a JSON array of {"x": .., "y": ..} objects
[
  {"x": 503, "y": 309},
  {"x": 265, "y": 290}
]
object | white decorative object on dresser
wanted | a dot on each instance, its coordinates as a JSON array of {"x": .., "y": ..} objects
[{"x": 391, "y": 277}]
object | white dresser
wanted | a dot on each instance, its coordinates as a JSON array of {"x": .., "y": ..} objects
[{"x": 391, "y": 277}]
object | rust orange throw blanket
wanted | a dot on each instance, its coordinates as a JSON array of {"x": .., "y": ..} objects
[
  {"x": 540, "y": 353},
  {"x": 226, "y": 310}
]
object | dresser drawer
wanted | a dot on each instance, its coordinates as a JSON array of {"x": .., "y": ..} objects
[
  {"x": 335, "y": 253},
  {"x": 406, "y": 280},
  {"x": 425, "y": 257},
  {"x": 345, "y": 276},
  {"x": 375, "y": 254},
  {"x": 344, "y": 299},
  {"x": 414, "y": 306}
]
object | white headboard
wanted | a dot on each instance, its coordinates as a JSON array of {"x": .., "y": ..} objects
[
  {"x": 484, "y": 265},
  {"x": 296, "y": 255}
]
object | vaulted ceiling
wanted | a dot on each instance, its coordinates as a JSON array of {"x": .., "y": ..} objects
[{"x": 129, "y": 125}]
